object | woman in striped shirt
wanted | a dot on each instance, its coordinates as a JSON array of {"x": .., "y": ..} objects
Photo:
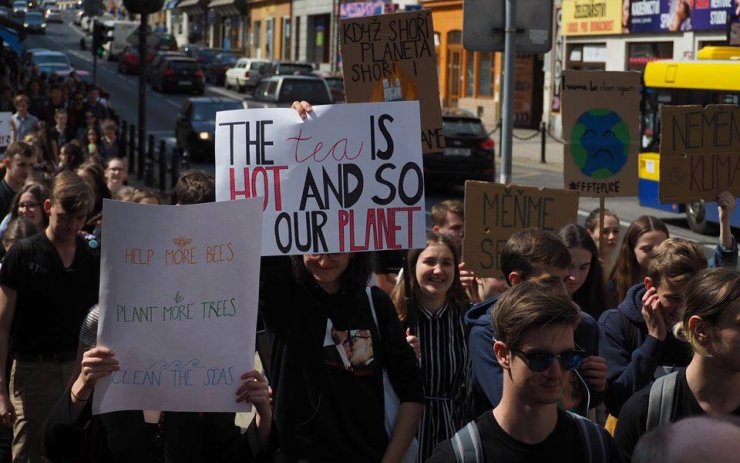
[{"x": 432, "y": 313}]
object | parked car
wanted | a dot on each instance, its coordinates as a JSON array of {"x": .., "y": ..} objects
[
  {"x": 178, "y": 73},
  {"x": 217, "y": 67},
  {"x": 286, "y": 68},
  {"x": 20, "y": 8},
  {"x": 4, "y": 12},
  {"x": 54, "y": 15},
  {"x": 47, "y": 61},
  {"x": 336, "y": 85},
  {"x": 469, "y": 152},
  {"x": 282, "y": 91},
  {"x": 79, "y": 14},
  {"x": 195, "y": 125},
  {"x": 157, "y": 59},
  {"x": 34, "y": 22},
  {"x": 245, "y": 74},
  {"x": 201, "y": 53},
  {"x": 128, "y": 60}
]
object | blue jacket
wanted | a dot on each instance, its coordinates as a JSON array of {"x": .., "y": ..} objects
[
  {"x": 488, "y": 380},
  {"x": 632, "y": 356}
]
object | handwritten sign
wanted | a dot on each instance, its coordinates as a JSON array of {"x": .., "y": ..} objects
[
  {"x": 699, "y": 152},
  {"x": 392, "y": 58},
  {"x": 348, "y": 179},
  {"x": 6, "y": 131},
  {"x": 494, "y": 212},
  {"x": 600, "y": 127},
  {"x": 178, "y": 298}
]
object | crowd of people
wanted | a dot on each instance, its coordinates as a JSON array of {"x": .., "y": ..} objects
[{"x": 434, "y": 363}]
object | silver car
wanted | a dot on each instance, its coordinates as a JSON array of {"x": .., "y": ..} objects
[{"x": 54, "y": 15}]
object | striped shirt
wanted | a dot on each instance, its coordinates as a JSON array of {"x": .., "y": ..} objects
[{"x": 444, "y": 361}]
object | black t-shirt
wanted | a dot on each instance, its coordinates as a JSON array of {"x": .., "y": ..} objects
[
  {"x": 633, "y": 417},
  {"x": 327, "y": 379},
  {"x": 51, "y": 300},
  {"x": 6, "y": 197},
  {"x": 498, "y": 447}
]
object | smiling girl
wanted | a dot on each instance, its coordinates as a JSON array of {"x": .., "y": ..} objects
[{"x": 433, "y": 308}]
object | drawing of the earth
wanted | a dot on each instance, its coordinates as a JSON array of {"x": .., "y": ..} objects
[{"x": 600, "y": 143}]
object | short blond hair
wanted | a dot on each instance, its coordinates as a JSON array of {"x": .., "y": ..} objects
[{"x": 676, "y": 260}]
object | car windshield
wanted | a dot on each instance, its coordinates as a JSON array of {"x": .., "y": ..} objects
[
  {"x": 50, "y": 59},
  {"x": 229, "y": 59},
  {"x": 35, "y": 16},
  {"x": 288, "y": 69},
  {"x": 463, "y": 127},
  {"x": 308, "y": 90},
  {"x": 206, "y": 111},
  {"x": 335, "y": 83},
  {"x": 258, "y": 66}
]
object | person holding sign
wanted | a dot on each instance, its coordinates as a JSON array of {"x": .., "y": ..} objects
[
  {"x": 433, "y": 307},
  {"x": 538, "y": 256},
  {"x": 328, "y": 358},
  {"x": 69, "y": 431},
  {"x": 41, "y": 308}
]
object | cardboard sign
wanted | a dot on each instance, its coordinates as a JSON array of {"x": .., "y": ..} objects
[
  {"x": 178, "y": 295},
  {"x": 699, "y": 152},
  {"x": 6, "y": 130},
  {"x": 392, "y": 58},
  {"x": 348, "y": 179},
  {"x": 494, "y": 212},
  {"x": 601, "y": 111}
]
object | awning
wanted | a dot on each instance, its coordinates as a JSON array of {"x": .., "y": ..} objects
[
  {"x": 11, "y": 37},
  {"x": 193, "y": 7},
  {"x": 228, "y": 7}
]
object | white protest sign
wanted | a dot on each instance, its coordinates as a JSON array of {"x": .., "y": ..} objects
[
  {"x": 348, "y": 179},
  {"x": 178, "y": 298},
  {"x": 6, "y": 131}
]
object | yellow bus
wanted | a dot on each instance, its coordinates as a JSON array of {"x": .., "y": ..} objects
[{"x": 713, "y": 78}]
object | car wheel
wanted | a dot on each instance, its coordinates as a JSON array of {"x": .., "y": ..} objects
[
  {"x": 696, "y": 216},
  {"x": 200, "y": 92}
]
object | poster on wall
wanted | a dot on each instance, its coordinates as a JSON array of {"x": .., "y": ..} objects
[
  {"x": 699, "y": 150},
  {"x": 590, "y": 17},
  {"x": 392, "y": 58},
  {"x": 600, "y": 127},
  {"x": 348, "y": 179},
  {"x": 650, "y": 16}
]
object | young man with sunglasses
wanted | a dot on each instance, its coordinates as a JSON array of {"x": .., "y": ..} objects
[
  {"x": 535, "y": 348},
  {"x": 537, "y": 256}
]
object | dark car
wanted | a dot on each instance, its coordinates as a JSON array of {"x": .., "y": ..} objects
[
  {"x": 157, "y": 59},
  {"x": 286, "y": 68},
  {"x": 178, "y": 73},
  {"x": 336, "y": 85},
  {"x": 282, "y": 91},
  {"x": 128, "y": 60},
  {"x": 469, "y": 154},
  {"x": 35, "y": 22},
  {"x": 195, "y": 124},
  {"x": 216, "y": 69}
]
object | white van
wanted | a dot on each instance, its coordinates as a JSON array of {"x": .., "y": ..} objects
[{"x": 118, "y": 32}]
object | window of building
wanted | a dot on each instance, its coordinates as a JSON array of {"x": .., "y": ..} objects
[
  {"x": 469, "y": 73},
  {"x": 586, "y": 57},
  {"x": 286, "y": 37},
  {"x": 257, "y": 32},
  {"x": 269, "y": 37},
  {"x": 639, "y": 54},
  {"x": 485, "y": 74}
]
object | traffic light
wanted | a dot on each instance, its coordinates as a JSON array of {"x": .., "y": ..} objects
[{"x": 99, "y": 38}]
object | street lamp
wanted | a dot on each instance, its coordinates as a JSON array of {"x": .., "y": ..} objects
[{"x": 142, "y": 8}]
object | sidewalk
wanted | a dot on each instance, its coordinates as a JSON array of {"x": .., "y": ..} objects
[{"x": 527, "y": 150}]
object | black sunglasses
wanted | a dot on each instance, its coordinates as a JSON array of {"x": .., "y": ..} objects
[{"x": 539, "y": 361}]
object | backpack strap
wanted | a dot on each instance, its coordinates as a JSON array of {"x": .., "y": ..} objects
[
  {"x": 592, "y": 438},
  {"x": 660, "y": 402},
  {"x": 466, "y": 444}
]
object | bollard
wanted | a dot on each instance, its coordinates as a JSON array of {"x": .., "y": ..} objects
[
  {"x": 123, "y": 140},
  {"x": 162, "y": 166},
  {"x": 175, "y": 165},
  {"x": 149, "y": 162},
  {"x": 543, "y": 133},
  {"x": 131, "y": 148}
]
